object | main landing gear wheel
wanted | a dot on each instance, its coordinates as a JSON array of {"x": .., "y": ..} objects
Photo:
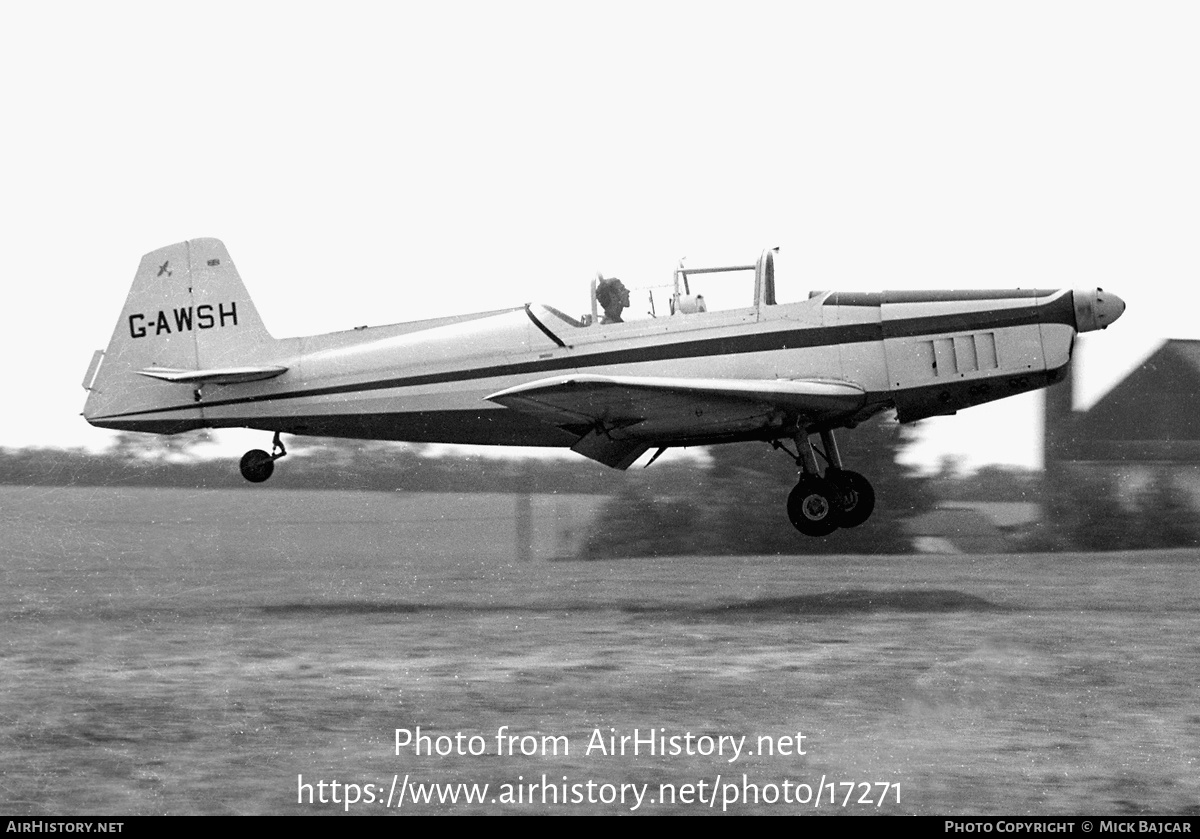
[
  {"x": 814, "y": 506},
  {"x": 257, "y": 465},
  {"x": 858, "y": 496}
]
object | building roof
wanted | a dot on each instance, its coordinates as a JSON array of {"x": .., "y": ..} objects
[{"x": 1152, "y": 414}]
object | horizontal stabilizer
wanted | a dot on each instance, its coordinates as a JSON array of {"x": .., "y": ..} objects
[{"x": 218, "y": 376}]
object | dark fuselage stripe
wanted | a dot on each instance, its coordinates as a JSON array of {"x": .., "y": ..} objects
[
  {"x": 757, "y": 342},
  {"x": 879, "y": 298}
]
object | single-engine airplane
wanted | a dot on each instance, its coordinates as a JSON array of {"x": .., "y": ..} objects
[{"x": 190, "y": 351}]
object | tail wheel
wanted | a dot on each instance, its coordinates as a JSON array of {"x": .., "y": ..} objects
[
  {"x": 257, "y": 466},
  {"x": 814, "y": 506},
  {"x": 858, "y": 496}
]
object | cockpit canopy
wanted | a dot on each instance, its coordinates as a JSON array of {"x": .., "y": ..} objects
[{"x": 679, "y": 297}]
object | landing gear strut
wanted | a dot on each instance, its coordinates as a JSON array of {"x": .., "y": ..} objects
[
  {"x": 257, "y": 465},
  {"x": 820, "y": 504}
]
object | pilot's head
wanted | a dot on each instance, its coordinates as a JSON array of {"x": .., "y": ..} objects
[{"x": 613, "y": 297}]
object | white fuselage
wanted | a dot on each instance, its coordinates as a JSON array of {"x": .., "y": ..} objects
[{"x": 923, "y": 352}]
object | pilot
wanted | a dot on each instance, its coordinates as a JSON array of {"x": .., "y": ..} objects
[{"x": 613, "y": 297}]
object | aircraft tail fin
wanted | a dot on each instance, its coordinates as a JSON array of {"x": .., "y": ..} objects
[{"x": 187, "y": 311}]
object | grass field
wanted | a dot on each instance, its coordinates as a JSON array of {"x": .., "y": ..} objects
[{"x": 171, "y": 651}]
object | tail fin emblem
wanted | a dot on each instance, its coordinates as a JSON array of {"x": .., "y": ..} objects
[{"x": 164, "y": 269}]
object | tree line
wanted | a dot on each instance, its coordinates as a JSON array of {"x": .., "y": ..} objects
[{"x": 730, "y": 502}]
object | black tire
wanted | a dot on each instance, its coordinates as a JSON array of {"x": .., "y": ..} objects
[
  {"x": 256, "y": 466},
  {"x": 814, "y": 506},
  {"x": 858, "y": 496}
]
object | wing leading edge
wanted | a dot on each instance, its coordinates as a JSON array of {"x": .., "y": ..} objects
[{"x": 626, "y": 415}]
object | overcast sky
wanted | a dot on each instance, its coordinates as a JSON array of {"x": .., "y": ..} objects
[{"x": 380, "y": 162}]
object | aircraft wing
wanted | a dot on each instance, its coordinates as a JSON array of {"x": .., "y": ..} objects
[{"x": 620, "y": 417}]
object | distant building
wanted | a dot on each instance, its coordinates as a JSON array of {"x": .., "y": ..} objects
[{"x": 1146, "y": 426}]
